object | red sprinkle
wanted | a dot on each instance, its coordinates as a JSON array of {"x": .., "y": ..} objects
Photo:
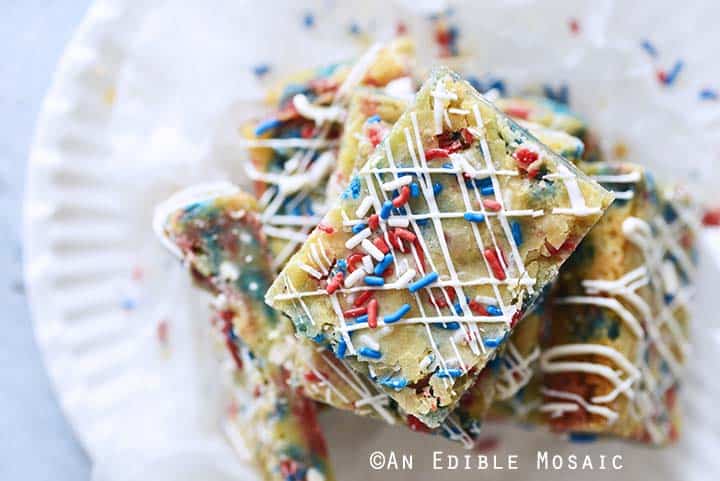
[
  {"x": 525, "y": 157},
  {"x": 431, "y": 154},
  {"x": 401, "y": 199},
  {"x": 334, "y": 284},
  {"x": 362, "y": 298},
  {"x": 712, "y": 217},
  {"x": 662, "y": 76},
  {"x": 440, "y": 300},
  {"x": 467, "y": 136},
  {"x": 416, "y": 425},
  {"x": 491, "y": 205},
  {"x": 477, "y": 308},
  {"x": 494, "y": 262},
  {"x": 405, "y": 234},
  {"x": 355, "y": 312},
  {"x": 312, "y": 377},
  {"x": 400, "y": 28},
  {"x": 515, "y": 318},
  {"x": 392, "y": 236},
  {"x": 288, "y": 468},
  {"x": 567, "y": 245},
  {"x": 373, "y": 221},
  {"x": 375, "y": 136},
  {"x": 380, "y": 244},
  {"x": 574, "y": 25},
  {"x": 328, "y": 229},
  {"x": 307, "y": 131},
  {"x": 353, "y": 260},
  {"x": 372, "y": 310},
  {"x": 518, "y": 112}
]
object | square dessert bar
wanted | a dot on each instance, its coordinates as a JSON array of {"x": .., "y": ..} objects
[
  {"x": 217, "y": 234},
  {"x": 439, "y": 244},
  {"x": 293, "y": 151},
  {"x": 618, "y": 319},
  {"x": 216, "y": 231},
  {"x": 280, "y": 431}
]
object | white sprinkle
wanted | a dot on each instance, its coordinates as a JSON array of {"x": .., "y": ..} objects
[
  {"x": 385, "y": 331},
  {"x": 368, "y": 264},
  {"x": 364, "y": 206},
  {"x": 353, "y": 242},
  {"x": 315, "y": 112},
  {"x": 396, "y": 184},
  {"x": 313, "y": 474},
  {"x": 354, "y": 277},
  {"x": 396, "y": 221},
  {"x": 309, "y": 270},
  {"x": 371, "y": 249},
  {"x": 426, "y": 361},
  {"x": 405, "y": 279},
  {"x": 456, "y": 111},
  {"x": 368, "y": 341},
  {"x": 459, "y": 336},
  {"x": 228, "y": 271}
]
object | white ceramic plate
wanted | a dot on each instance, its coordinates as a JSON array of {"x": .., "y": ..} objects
[{"x": 146, "y": 100}]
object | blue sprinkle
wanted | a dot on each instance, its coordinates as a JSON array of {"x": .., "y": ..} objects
[
  {"x": 473, "y": 217},
  {"x": 393, "y": 382},
  {"x": 353, "y": 190},
  {"x": 458, "y": 308},
  {"x": 452, "y": 326},
  {"x": 386, "y": 209},
  {"x": 266, "y": 126},
  {"x": 516, "y": 233},
  {"x": 668, "y": 298},
  {"x": 371, "y": 353},
  {"x": 649, "y": 48},
  {"x": 448, "y": 165},
  {"x": 484, "y": 182},
  {"x": 383, "y": 264},
  {"x": 354, "y": 28},
  {"x": 319, "y": 338},
  {"x": 374, "y": 119},
  {"x": 560, "y": 94},
  {"x": 424, "y": 282},
  {"x": 493, "y": 310},
  {"x": 450, "y": 373},
  {"x": 128, "y": 304},
  {"x": 422, "y": 222},
  {"x": 358, "y": 227},
  {"x": 708, "y": 94},
  {"x": 342, "y": 265},
  {"x": 261, "y": 69},
  {"x": 672, "y": 75},
  {"x": 489, "y": 342},
  {"x": 308, "y": 203},
  {"x": 309, "y": 20},
  {"x": 361, "y": 319},
  {"x": 374, "y": 281},
  {"x": 582, "y": 437},
  {"x": 414, "y": 190},
  {"x": 487, "y": 190},
  {"x": 437, "y": 188},
  {"x": 397, "y": 315},
  {"x": 341, "y": 349},
  {"x": 400, "y": 211}
]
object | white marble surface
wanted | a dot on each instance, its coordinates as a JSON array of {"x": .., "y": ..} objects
[{"x": 36, "y": 442}]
